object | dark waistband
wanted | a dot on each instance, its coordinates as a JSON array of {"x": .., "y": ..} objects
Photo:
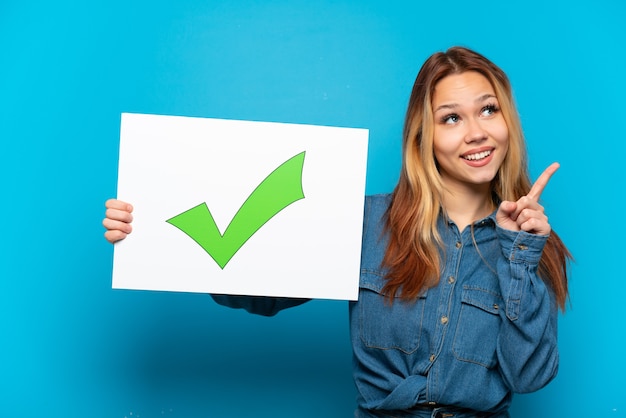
[
  {"x": 431, "y": 409},
  {"x": 443, "y": 409}
]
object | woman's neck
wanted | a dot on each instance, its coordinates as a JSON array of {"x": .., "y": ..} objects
[{"x": 465, "y": 207}]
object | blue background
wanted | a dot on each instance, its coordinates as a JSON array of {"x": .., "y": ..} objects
[{"x": 73, "y": 347}]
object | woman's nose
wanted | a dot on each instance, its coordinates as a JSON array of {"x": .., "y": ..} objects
[{"x": 475, "y": 131}]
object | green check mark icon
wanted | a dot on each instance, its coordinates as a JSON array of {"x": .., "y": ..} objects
[{"x": 278, "y": 190}]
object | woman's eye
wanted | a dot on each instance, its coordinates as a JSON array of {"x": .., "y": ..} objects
[
  {"x": 489, "y": 110},
  {"x": 450, "y": 119}
]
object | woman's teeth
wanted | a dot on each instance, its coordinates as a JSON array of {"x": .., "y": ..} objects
[{"x": 477, "y": 156}]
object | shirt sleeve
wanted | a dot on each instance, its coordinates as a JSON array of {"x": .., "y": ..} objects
[
  {"x": 260, "y": 305},
  {"x": 527, "y": 343}
]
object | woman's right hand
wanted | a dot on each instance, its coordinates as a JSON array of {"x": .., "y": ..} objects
[{"x": 118, "y": 220}]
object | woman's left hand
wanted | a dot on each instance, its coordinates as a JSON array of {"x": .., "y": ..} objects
[{"x": 527, "y": 214}]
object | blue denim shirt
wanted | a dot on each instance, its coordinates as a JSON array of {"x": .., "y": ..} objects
[{"x": 489, "y": 328}]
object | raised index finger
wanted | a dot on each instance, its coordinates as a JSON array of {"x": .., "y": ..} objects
[{"x": 542, "y": 181}]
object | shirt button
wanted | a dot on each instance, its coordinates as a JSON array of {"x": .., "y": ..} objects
[
  {"x": 444, "y": 320},
  {"x": 458, "y": 244},
  {"x": 451, "y": 279},
  {"x": 432, "y": 358}
]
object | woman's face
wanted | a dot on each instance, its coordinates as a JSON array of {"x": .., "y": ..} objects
[{"x": 470, "y": 135}]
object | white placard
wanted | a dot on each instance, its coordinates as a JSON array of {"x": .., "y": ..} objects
[{"x": 292, "y": 194}]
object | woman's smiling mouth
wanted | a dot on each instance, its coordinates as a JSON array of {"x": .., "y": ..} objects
[{"x": 477, "y": 156}]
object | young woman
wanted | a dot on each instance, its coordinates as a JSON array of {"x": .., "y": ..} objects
[{"x": 461, "y": 275}]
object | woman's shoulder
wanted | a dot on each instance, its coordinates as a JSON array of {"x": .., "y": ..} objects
[
  {"x": 378, "y": 199},
  {"x": 377, "y": 204},
  {"x": 375, "y": 210},
  {"x": 374, "y": 233}
]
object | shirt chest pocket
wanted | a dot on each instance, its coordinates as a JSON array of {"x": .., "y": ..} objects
[
  {"x": 477, "y": 330},
  {"x": 386, "y": 324}
]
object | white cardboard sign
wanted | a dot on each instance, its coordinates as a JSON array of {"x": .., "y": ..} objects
[{"x": 241, "y": 207}]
